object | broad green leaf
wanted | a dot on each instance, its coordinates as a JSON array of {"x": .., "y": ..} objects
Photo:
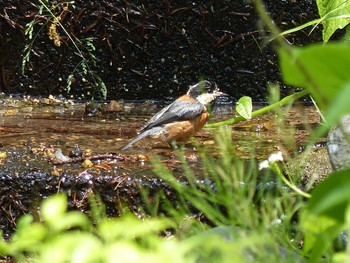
[
  {"x": 320, "y": 231},
  {"x": 335, "y": 14},
  {"x": 326, "y": 213},
  {"x": 331, "y": 197},
  {"x": 24, "y": 222},
  {"x": 5, "y": 247},
  {"x": 322, "y": 69},
  {"x": 340, "y": 257},
  {"x": 244, "y": 107},
  {"x": 339, "y": 106},
  {"x": 313, "y": 225}
]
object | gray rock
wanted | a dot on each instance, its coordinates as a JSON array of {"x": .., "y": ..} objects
[{"x": 338, "y": 144}]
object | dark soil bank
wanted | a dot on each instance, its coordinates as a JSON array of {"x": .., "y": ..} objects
[{"x": 145, "y": 49}]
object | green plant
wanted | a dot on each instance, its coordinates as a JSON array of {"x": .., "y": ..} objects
[
  {"x": 53, "y": 16},
  {"x": 334, "y": 15},
  {"x": 229, "y": 192},
  {"x": 286, "y": 100},
  {"x": 326, "y": 215},
  {"x": 321, "y": 70},
  {"x": 69, "y": 236}
]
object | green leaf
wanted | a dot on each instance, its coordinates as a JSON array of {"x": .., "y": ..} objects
[
  {"x": 335, "y": 14},
  {"x": 70, "y": 220},
  {"x": 97, "y": 208},
  {"x": 340, "y": 257},
  {"x": 326, "y": 213},
  {"x": 314, "y": 225},
  {"x": 322, "y": 69},
  {"x": 339, "y": 106},
  {"x": 130, "y": 227},
  {"x": 331, "y": 197},
  {"x": 24, "y": 222},
  {"x": 5, "y": 248},
  {"x": 319, "y": 233},
  {"x": 53, "y": 208},
  {"x": 102, "y": 87},
  {"x": 55, "y": 215},
  {"x": 28, "y": 238},
  {"x": 244, "y": 107},
  {"x": 69, "y": 82},
  {"x": 71, "y": 247}
]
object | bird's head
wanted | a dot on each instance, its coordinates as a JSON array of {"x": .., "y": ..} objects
[{"x": 204, "y": 92}]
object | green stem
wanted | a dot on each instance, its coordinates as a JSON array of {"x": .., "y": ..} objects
[
  {"x": 264, "y": 110},
  {"x": 292, "y": 186}
]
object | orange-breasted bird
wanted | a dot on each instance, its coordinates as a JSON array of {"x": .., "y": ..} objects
[{"x": 181, "y": 119}]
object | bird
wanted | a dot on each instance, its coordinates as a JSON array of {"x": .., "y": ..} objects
[{"x": 181, "y": 119}]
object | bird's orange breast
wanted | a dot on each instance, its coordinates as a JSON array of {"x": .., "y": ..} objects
[{"x": 181, "y": 131}]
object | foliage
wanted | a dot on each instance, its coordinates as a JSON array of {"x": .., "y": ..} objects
[
  {"x": 230, "y": 192},
  {"x": 335, "y": 14},
  {"x": 52, "y": 16},
  {"x": 244, "y": 107},
  {"x": 71, "y": 237},
  {"x": 326, "y": 215},
  {"x": 322, "y": 71}
]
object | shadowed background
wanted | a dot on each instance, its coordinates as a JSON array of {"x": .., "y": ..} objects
[{"x": 148, "y": 49}]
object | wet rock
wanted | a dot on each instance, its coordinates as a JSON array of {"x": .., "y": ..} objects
[{"x": 338, "y": 144}]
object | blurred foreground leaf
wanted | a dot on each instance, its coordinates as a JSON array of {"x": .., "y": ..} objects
[
  {"x": 326, "y": 213},
  {"x": 323, "y": 71}
]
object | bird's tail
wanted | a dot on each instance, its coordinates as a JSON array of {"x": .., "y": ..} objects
[{"x": 142, "y": 135}]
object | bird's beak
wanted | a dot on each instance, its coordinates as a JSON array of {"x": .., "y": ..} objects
[{"x": 218, "y": 93}]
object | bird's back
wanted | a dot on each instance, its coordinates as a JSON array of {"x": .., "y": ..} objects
[{"x": 179, "y": 110}]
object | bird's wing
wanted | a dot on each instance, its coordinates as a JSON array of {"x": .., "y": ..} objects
[{"x": 177, "y": 111}]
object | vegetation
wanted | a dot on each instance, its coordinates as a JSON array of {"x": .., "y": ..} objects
[
  {"x": 85, "y": 48},
  {"x": 228, "y": 213}
]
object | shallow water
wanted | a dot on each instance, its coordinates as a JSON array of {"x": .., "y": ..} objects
[{"x": 31, "y": 130}]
